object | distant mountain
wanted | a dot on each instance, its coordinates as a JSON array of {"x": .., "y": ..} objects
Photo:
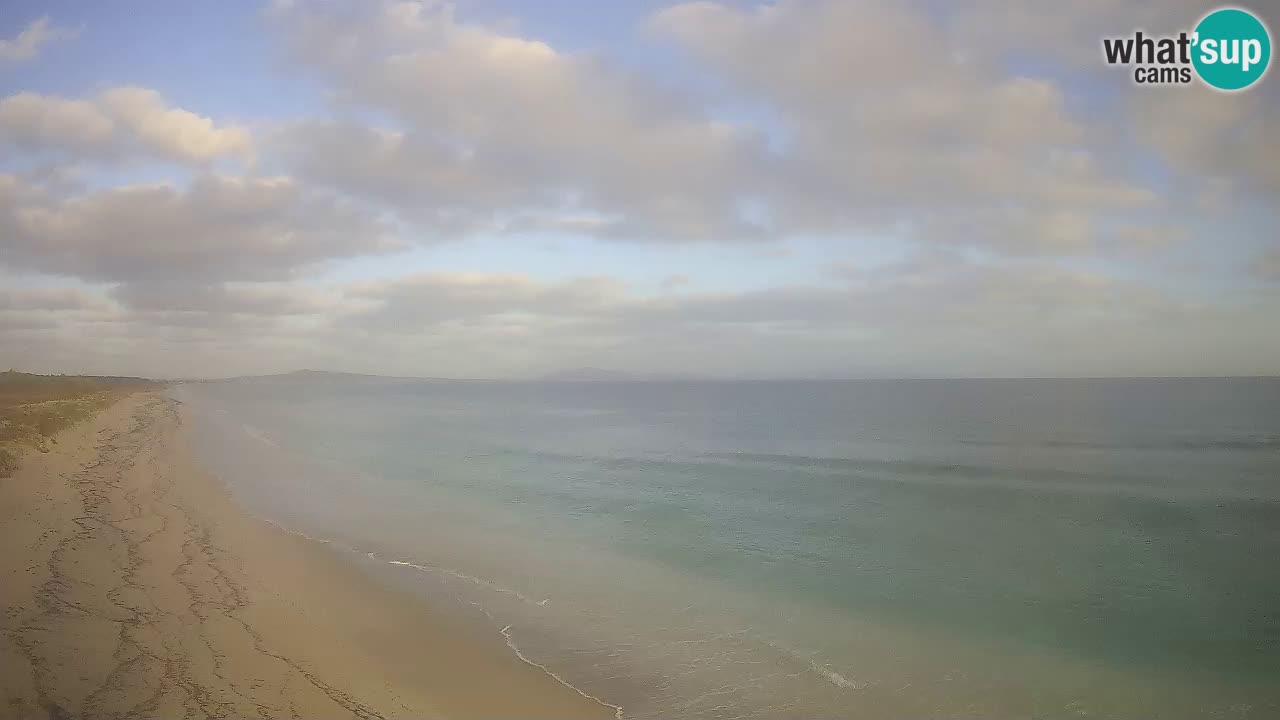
[
  {"x": 328, "y": 375},
  {"x": 601, "y": 375}
]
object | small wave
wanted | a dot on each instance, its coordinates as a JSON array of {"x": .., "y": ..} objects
[
  {"x": 463, "y": 576},
  {"x": 834, "y": 677},
  {"x": 505, "y": 631},
  {"x": 1247, "y": 443},
  {"x": 862, "y": 466},
  {"x": 823, "y": 671},
  {"x": 511, "y": 643},
  {"x": 299, "y": 533},
  {"x": 258, "y": 435},
  {"x": 1255, "y": 442}
]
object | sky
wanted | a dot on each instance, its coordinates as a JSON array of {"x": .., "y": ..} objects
[{"x": 717, "y": 188}]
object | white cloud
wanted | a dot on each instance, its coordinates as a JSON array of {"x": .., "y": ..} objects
[
  {"x": 906, "y": 124},
  {"x": 1207, "y": 136},
  {"x": 28, "y": 43},
  {"x": 173, "y": 132},
  {"x": 935, "y": 314},
  {"x": 1028, "y": 202},
  {"x": 31, "y": 120},
  {"x": 220, "y": 228},
  {"x": 411, "y": 304},
  {"x": 55, "y": 299},
  {"x": 932, "y": 314},
  {"x": 118, "y": 123},
  {"x": 255, "y": 298},
  {"x": 941, "y": 144},
  {"x": 487, "y": 124},
  {"x": 1267, "y": 266}
]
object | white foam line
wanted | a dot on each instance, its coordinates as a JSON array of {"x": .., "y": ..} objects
[
  {"x": 825, "y": 671},
  {"x": 258, "y": 435},
  {"x": 835, "y": 677},
  {"x": 505, "y": 632},
  {"x": 506, "y": 635},
  {"x": 463, "y": 576}
]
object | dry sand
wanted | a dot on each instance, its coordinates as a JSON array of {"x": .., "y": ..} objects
[{"x": 132, "y": 585}]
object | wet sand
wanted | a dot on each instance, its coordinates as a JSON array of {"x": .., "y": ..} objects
[{"x": 131, "y": 584}]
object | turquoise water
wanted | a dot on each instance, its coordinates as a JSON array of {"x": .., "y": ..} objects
[{"x": 974, "y": 548}]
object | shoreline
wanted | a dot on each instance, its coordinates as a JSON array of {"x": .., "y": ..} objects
[
  {"x": 135, "y": 583},
  {"x": 504, "y": 632}
]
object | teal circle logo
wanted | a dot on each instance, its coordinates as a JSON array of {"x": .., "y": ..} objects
[{"x": 1232, "y": 49}]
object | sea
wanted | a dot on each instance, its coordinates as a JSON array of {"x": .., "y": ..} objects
[{"x": 905, "y": 549}]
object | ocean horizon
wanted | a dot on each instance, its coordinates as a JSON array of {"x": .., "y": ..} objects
[{"x": 980, "y": 548}]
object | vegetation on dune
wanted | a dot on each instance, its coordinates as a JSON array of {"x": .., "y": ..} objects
[{"x": 34, "y": 408}]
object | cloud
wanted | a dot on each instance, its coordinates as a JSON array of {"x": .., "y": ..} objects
[
  {"x": 173, "y": 132},
  {"x": 261, "y": 299},
  {"x": 219, "y": 228},
  {"x": 486, "y": 126},
  {"x": 418, "y": 302},
  {"x": 1267, "y": 265},
  {"x": 27, "y": 44},
  {"x": 37, "y": 121},
  {"x": 908, "y": 124},
  {"x": 1047, "y": 218},
  {"x": 1215, "y": 144},
  {"x": 932, "y": 314},
  {"x": 55, "y": 299},
  {"x": 1070, "y": 32},
  {"x": 25, "y": 311},
  {"x": 1211, "y": 137},
  {"x": 119, "y": 123},
  {"x": 939, "y": 145}
]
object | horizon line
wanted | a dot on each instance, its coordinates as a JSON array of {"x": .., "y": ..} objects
[{"x": 643, "y": 377}]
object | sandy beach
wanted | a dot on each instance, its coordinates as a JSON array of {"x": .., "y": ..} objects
[{"x": 132, "y": 585}]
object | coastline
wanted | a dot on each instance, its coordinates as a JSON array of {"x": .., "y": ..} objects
[{"x": 134, "y": 583}]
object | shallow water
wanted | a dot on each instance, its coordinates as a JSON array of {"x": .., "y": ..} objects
[{"x": 993, "y": 549}]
